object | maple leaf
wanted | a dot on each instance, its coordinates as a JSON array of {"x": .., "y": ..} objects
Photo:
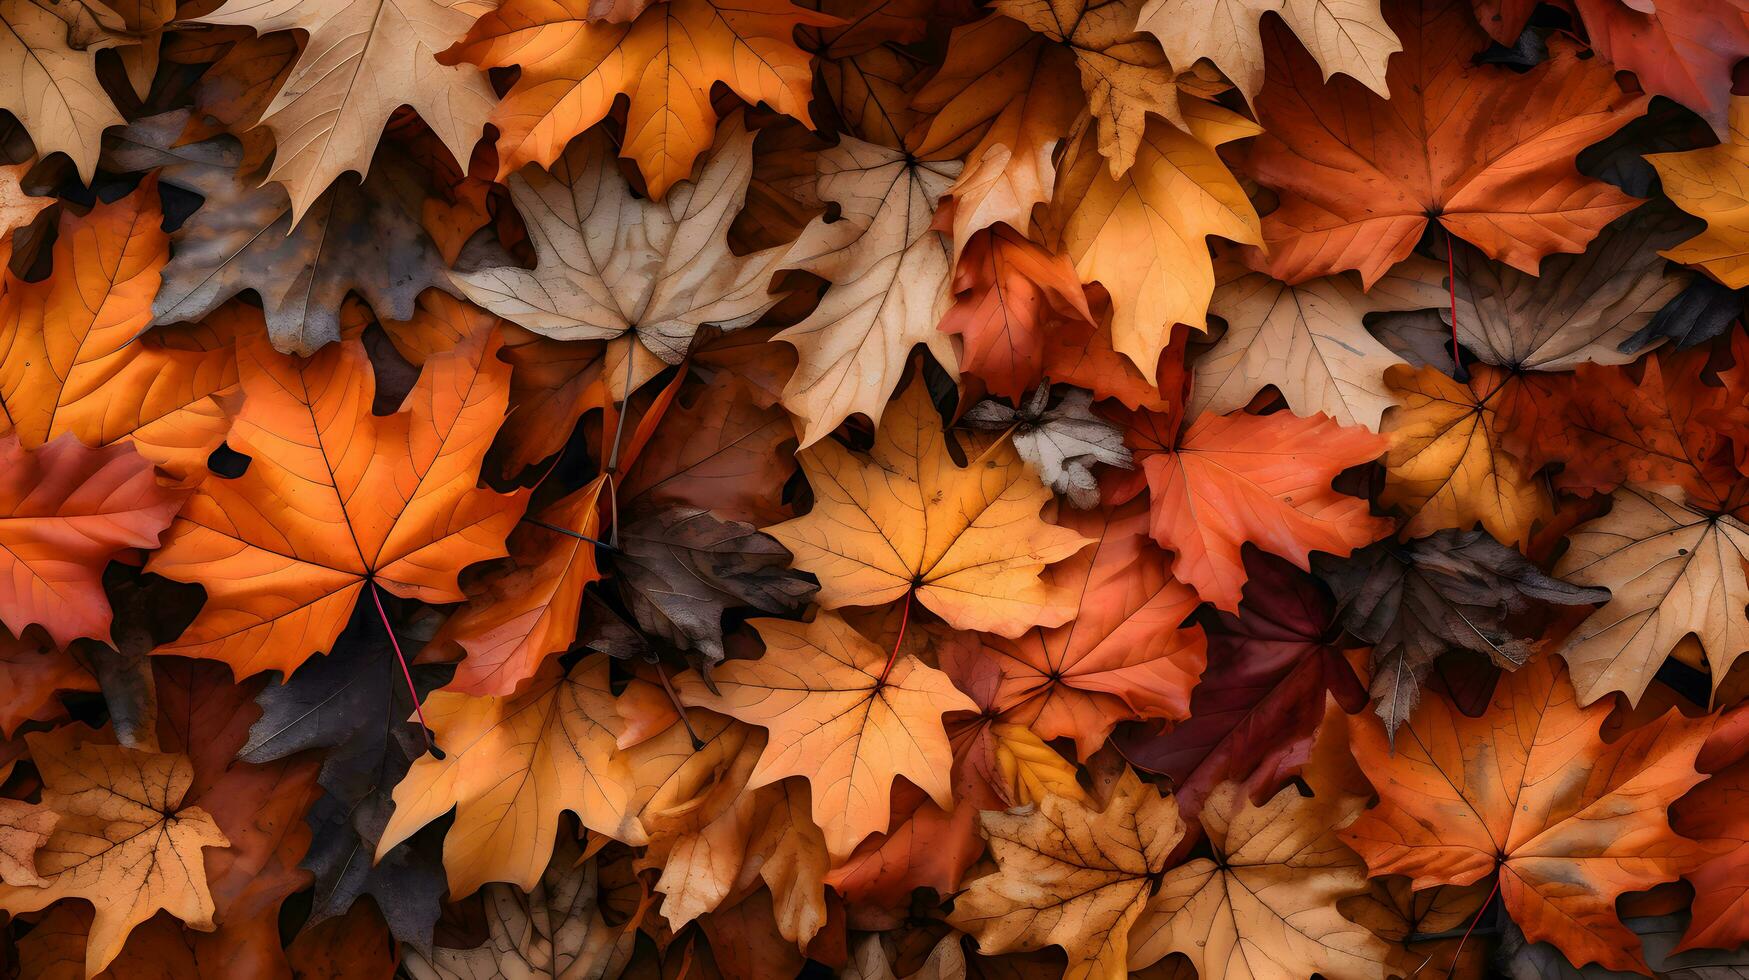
[
  {"x": 75, "y": 359},
  {"x": 1232, "y": 479},
  {"x": 1010, "y": 296},
  {"x": 18, "y": 207},
  {"x": 556, "y": 736},
  {"x": 1309, "y": 341},
  {"x": 835, "y": 715},
  {"x": 1346, "y": 36},
  {"x": 1710, "y": 813},
  {"x": 1447, "y": 465},
  {"x": 1705, "y": 183},
  {"x": 1265, "y": 905},
  {"x": 553, "y": 927},
  {"x": 1125, "y": 74},
  {"x": 1581, "y": 309},
  {"x": 1531, "y": 793},
  {"x": 664, "y": 62},
  {"x": 1254, "y": 711},
  {"x": 324, "y": 121},
  {"x": 1452, "y": 590},
  {"x": 65, "y": 512},
  {"x": 1670, "y": 570},
  {"x": 1679, "y": 49},
  {"x": 967, "y": 541},
  {"x": 1658, "y": 935},
  {"x": 1123, "y": 657},
  {"x": 530, "y": 612},
  {"x": 50, "y": 83},
  {"x": 24, "y": 829},
  {"x": 357, "y": 237},
  {"x": 32, "y": 672},
  {"x": 123, "y": 839},
  {"x": 337, "y": 501},
  {"x": 1485, "y": 152},
  {"x": 1060, "y": 443},
  {"x": 1143, "y": 236},
  {"x": 353, "y": 705},
  {"x": 667, "y": 272},
  {"x": 1003, "y": 98},
  {"x": 889, "y": 271},
  {"x": 1069, "y": 876}
]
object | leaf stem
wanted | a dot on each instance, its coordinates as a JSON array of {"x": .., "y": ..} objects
[
  {"x": 1458, "y": 954},
  {"x": 904, "y": 620},
  {"x": 679, "y": 709},
  {"x": 376, "y": 594}
]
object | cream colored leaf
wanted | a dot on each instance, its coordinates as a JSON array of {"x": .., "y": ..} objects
[
  {"x": 51, "y": 85},
  {"x": 889, "y": 272},
  {"x": 1266, "y": 908},
  {"x": 1309, "y": 341},
  {"x": 363, "y": 60},
  {"x": 612, "y": 263},
  {"x": 1671, "y": 570},
  {"x": 1071, "y": 876},
  {"x": 1344, "y": 36}
]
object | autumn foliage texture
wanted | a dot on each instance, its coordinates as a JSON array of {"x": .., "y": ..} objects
[{"x": 1238, "y": 489}]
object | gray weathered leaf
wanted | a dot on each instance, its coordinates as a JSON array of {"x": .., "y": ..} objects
[
  {"x": 680, "y": 568},
  {"x": 1452, "y": 590},
  {"x": 356, "y": 237},
  {"x": 1582, "y": 307},
  {"x": 354, "y": 703},
  {"x": 1061, "y": 444}
]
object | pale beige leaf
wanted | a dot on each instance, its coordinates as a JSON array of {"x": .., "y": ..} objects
[
  {"x": 611, "y": 263},
  {"x": 1671, "y": 570},
  {"x": 889, "y": 272},
  {"x": 1309, "y": 341},
  {"x": 50, "y": 85},
  {"x": 1349, "y": 37},
  {"x": 363, "y": 60}
]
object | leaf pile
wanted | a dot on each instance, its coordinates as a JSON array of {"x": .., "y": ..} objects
[{"x": 1242, "y": 489}]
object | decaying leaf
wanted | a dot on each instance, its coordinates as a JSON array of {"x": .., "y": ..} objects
[{"x": 1061, "y": 443}]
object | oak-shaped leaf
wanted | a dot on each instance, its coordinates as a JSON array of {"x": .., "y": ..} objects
[
  {"x": 1061, "y": 442},
  {"x": 354, "y": 704},
  {"x": 843, "y": 714},
  {"x": 666, "y": 270},
  {"x": 337, "y": 501},
  {"x": 511, "y": 767},
  {"x": 967, "y": 541},
  {"x": 1071, "y": 876},
  {"x": 1258, "y": 704},
  {"x": 665, "y": 62},
  {"x": 1483, "y": 151},
  {"x": 123, "y": 840},
  {"x": 324, "y": 121},
  {"x": 1452, "y": 590},
  {"x": 358, "y": 237},
  {"x": 1532, "y": 793}
]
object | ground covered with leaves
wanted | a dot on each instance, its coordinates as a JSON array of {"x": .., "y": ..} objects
[{"x": 1239, "y": 489}]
